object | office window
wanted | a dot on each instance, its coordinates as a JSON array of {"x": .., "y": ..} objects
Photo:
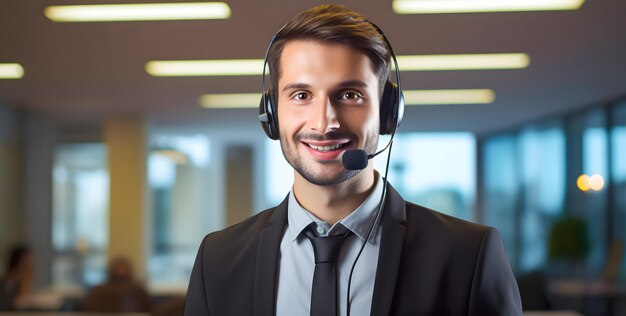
[
  {"x": 501, "y": 189},
  {"x": 432, "y": 169},
  {"x": 589, "y": 131},
  {"x": 618, "y": 143},
  {"x": 181, "y": 209},
  {"x": 618, "y": 175},
  {"x": 542, "y": 166},
  {"x": 436, "y": 170},
  {"x": 279, "y": 174},
  {"x": 80, "y": 214}
]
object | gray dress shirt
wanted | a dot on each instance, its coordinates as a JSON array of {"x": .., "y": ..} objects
[{"x": 297, "y": 262}]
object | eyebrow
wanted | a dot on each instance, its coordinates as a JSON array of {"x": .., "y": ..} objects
[
  {"x": 345, "y": 84},
  {"x": 296, "y": 86},
  {"x": 353, "y": 83}
]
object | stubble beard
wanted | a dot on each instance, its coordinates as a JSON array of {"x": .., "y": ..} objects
[{"x": 307, "y": 172}]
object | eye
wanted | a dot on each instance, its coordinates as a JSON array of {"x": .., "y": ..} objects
[
  {"x": 350, "y": 95},
  {"x": 300, "y": 96}
]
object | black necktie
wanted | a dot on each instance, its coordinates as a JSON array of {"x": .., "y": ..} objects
[{"x": 324, "y": 290}]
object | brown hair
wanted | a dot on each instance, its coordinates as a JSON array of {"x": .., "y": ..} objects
[{"x": 333, "y": 23}]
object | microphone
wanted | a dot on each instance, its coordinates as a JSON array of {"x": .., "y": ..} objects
[{"x": 355, "y": 159}]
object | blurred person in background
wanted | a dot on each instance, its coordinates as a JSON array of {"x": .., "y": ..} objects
[
  {"x": 15, "y": 287},
  {"x": 121, "y": 292}
]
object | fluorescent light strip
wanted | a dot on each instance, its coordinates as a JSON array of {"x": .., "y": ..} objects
[
  {"x": 452, "y": 96},
  {"x": 11, "y": 71},
  {"x": 244, "y": 67},
  {"x": 465, "y": 6},
  {"x": 138, "y": 12},
  {"x": 230, "y": 100},
  {"x": 411, "y": 97},
  {"x": 184, "y": 68},
  {"x": 463, "y": 62}
]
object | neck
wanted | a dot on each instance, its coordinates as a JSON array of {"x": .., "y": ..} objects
[{"x": 332, "y": 203}]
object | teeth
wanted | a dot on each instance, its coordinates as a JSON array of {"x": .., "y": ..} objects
[{"x": 325, "y": 148}]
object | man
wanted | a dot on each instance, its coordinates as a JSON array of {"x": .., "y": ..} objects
[{"x": 329, "y": 68}]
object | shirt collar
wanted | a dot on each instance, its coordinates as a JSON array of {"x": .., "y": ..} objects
[{"x": 359, "y": 221}]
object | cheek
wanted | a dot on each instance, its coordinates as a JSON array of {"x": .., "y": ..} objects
[
  {"x": 288, "y": 121},
  {"x": 375, "y": 119},
  {"x": 369, "y": 121},
  {"x": 283, "y": 119},
  {"x": 364, "y": 124}
]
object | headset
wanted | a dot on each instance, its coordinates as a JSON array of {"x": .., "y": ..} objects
[{"x": 391, "y": 102}]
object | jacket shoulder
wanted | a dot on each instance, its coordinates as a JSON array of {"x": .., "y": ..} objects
[
  {"x": 417, "y": 214},
  {"x": 454, "y": 235},
  {"x": 465, "y": 262},
  {"x": 225, "y": 268},
  {"x": 240, "y": 234}
]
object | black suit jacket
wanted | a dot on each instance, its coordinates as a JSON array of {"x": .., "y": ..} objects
[{"x": 429, "y": 264}]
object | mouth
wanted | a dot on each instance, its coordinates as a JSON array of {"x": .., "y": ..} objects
[
  {"x": 328, "y": 147},
  {"x": 326, "y": 150}
]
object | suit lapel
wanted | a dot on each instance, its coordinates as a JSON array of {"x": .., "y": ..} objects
[
  {"x": 390, "y": 253},
  {"x": 267, "y": 262}
]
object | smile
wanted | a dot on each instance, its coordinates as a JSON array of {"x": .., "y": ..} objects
[{"x": 326, "y": 148}]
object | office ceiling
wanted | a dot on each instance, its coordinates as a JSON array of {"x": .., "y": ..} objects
[{"x": 86, "y": 71}]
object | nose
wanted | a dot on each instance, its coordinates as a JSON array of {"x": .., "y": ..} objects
[{"x": 323, "y": 116}]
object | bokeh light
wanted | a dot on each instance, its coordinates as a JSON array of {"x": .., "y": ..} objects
[
  {"x": 583, "y": 182},
  {"x": 596, "y": 182}
]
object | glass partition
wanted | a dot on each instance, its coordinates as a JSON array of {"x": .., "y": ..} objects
[
  {"x": 618, "y": 181},
  {"x": 542, "y": 165},
  {"x": 436, "y": 170},
  {"x": 180, "y": 208},
  {"x": 501, "y": 196},
  {"x": 80, "y": 214},
  {"x": 588, "y": 133}
]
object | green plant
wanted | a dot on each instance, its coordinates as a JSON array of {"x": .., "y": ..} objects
[{"x": 568, "y": 239}]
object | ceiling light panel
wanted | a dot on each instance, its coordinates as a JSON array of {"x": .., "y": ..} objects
[
  {"x": 138, "y": 12},
  {"x": 184, "y": 68},
  {"x": 463, "y": 62},
  {"x": 230, "y": 100},
  {"x": 468, "y": 6},
  {"x": 450, "y": 96},
  {"x": 11, "y": 71}
]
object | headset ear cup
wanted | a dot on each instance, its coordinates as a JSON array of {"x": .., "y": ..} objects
[
  {"x": 274, "y": 118},
  {"x": 399, "y": 108},
  {"x": 387, "y": 103},
  {"x": 267, "y": 116},
  {"x": 391, "y": 108}
]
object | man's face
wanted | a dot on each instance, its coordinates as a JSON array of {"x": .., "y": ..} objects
[{"x": 328, "y": 103}]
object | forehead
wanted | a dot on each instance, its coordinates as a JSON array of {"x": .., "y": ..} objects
[{"x": 328, "y": 60}]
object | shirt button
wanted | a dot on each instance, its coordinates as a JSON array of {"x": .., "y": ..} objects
[{"x": 320, "y": 230}]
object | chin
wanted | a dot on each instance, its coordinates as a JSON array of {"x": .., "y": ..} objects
[{"x": 324, "y": 180}]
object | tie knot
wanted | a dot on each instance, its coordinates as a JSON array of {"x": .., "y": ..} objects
[{"x": 326, "y": 249}]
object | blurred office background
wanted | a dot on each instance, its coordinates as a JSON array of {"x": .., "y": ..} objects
[{"x": 104, "y": 154}]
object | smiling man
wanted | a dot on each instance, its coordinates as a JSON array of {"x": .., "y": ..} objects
[{"x": 334, "y": 246}]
